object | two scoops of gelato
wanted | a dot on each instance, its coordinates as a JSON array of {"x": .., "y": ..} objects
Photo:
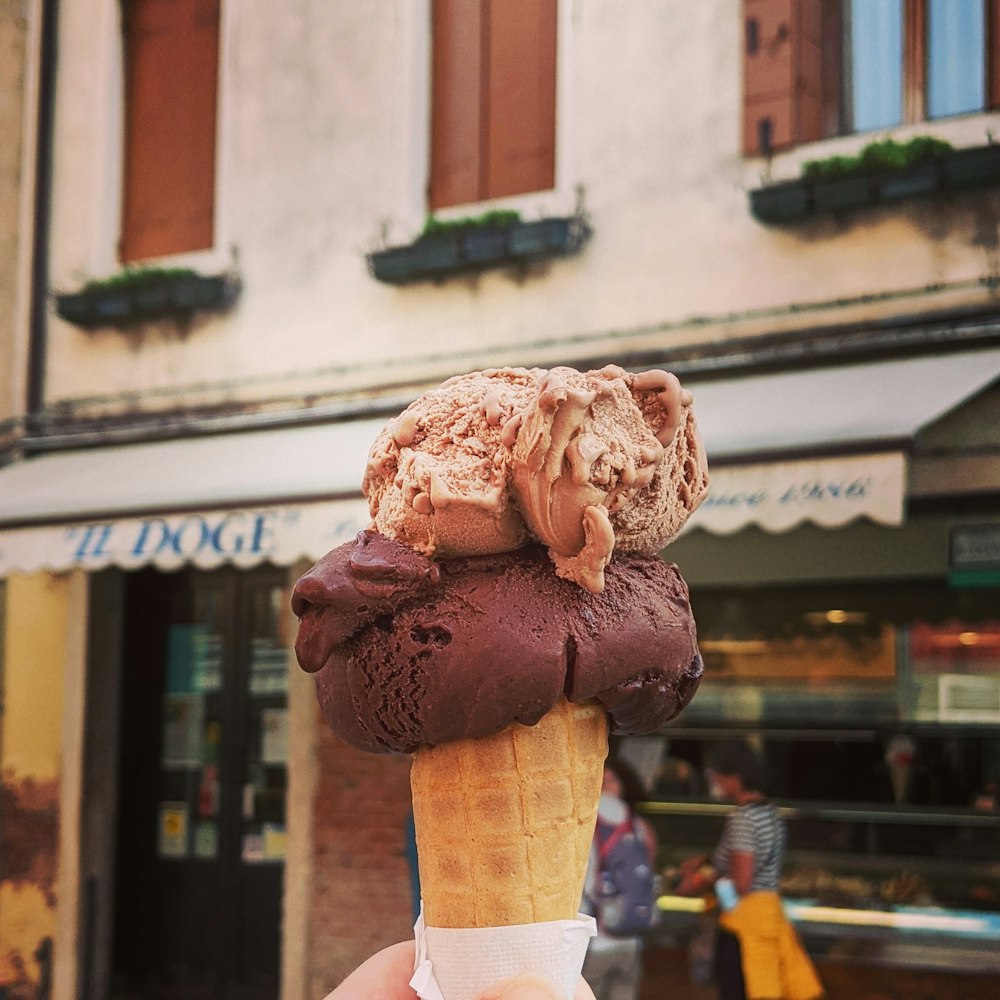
[{"x": 505, "y": 610}]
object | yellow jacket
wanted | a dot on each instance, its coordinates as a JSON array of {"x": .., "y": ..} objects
[{"x": 775, "y": 965}]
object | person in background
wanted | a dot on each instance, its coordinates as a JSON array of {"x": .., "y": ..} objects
[
  {"x": 613, "y": 966},
  {"x": 758, "y": 955}
]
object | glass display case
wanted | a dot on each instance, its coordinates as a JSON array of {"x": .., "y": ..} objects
[{"x": 876, "y": 714}]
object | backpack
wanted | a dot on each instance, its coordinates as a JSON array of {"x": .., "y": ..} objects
[{"x": 624, "y": 889}]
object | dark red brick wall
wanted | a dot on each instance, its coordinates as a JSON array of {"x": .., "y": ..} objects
[{"x": 362, "y": 896}]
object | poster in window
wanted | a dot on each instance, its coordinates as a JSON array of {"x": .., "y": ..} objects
[
  {"x": 274, "y": 736},
  {"x": 180, "y": 657},
  {"x": 206, "y": 840},
  {"x": 274, "y": 842},
  {"x": 183, "y": 728},
  {"x": 206, "y": 669},
  {"x": 172, "y": 838},
  {"x": 252, "y": 852},
  {"x": 268, "y": 667}
]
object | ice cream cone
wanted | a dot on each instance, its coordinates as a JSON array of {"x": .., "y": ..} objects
[{"x": 504, "y": 823}]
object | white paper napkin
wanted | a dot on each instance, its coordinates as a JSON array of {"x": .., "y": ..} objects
[{"x": 460, "y": 963}]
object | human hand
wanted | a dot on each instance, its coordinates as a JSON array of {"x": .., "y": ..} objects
[{"x": 386, "y": 976}]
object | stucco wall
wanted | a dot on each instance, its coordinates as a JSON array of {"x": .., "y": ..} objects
[
  {"x": 30, "y": 771},
  {"x": 322, "y": 152}
]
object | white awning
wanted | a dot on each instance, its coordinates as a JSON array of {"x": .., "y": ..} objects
[
  {"x": 830, "y": 492},
  {"x": 250, "y": 468},
  {"x": 819, "y": 410},
  {"x": 826, "y": 445},
  {"x": 207, "y": 539},
  {"x": 243, "y": 498}
]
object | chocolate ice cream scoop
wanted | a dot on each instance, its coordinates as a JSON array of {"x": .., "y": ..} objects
[{"x": 411, "y": 652}]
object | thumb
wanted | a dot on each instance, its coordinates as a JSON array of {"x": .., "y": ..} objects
[{"x": 526, "y": 987}]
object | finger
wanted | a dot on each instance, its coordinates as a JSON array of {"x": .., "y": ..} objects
[
  {"x": 384, "y": 976},
  {"x": 532, "y": 987},
  {"x": 527, "y": 987}
]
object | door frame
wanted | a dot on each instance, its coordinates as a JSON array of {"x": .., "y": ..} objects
[{"x": 89, "y": 878}]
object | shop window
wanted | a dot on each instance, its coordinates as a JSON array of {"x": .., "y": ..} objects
[
  {"x": 171, "y": 85},
  {"x": 819, "y": 68},
  {"x": 920, "y": 652},
  {"x": 493, "y": 99}
]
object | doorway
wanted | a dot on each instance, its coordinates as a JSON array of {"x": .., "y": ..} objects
[{"x": 201, "y": 786}]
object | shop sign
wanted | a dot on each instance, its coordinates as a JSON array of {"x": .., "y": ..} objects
[
  {"x": 974, "y": 556},
  {"x": 975, "y": 546},
  {"x": 205, "y": 539},
  {"x": 778, "y": 496}
]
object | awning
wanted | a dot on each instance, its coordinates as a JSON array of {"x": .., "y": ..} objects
[
  {"x": 241, "y": 536},
  {"x": 826, "y": 445},
  {"x": 276, "y": 495}
]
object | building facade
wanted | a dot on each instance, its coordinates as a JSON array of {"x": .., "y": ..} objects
[{"x": 268, "y": 226}]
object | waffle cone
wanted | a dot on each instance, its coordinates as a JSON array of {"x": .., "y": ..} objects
[{"x": 504, "y": 823}]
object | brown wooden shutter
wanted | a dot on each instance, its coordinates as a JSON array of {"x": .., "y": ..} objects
[
  {"x": 493, "y": 97},
  {"x": 171, "y": 83},
  {"x": 457, "y": 96},
  {"x": 521, "y": 97},
  {"x": 782, "y": 74},
  {"x": 993, "y": 53}
]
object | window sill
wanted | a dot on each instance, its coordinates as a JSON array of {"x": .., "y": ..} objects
[
  {"x": 443, "y": 254},
  {"x": 165, "y": 296},
  {"x": 790, "y": 202}
]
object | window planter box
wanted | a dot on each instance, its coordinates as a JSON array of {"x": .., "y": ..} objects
[
  {"x": 440, "y": 255},
  {"x": 784, "y": 202},
  {"x": 547, "y": 236},
  {"x": 964, "y": 168},
  {"x": 912, "y": 183},
  {"x": 77, "y": 307},
  {"x": 167, "y": 295},
  {"x": 484, "y": 246},
  {"x": 437, "y": 254},
  {"x": 842, "y": 194},
  {"x": 953, "y": 170}
]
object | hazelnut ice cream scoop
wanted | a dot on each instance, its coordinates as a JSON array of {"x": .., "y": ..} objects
[
  {"x": 409, "y": 651},
  {"x": 582, "y": 462}
]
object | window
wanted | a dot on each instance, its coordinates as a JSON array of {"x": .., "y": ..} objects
[
  {"x": 873, "y": 65},
  {"x": 956, "y": 49},
  {"x": 171, "y": 81},
  {"x": 493, "y": 99},
  {"x": 819, "y": 68}
]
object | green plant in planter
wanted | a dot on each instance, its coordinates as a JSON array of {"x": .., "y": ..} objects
[
  {"x": 138, "y": 277},
  {"x": 138, "y": 293},
  {"x": 475, "y": 243},
  {"x": 877, "y": 157},
  {"x": 495, "y": 219}
]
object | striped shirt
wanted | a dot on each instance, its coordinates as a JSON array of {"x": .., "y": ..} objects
[{"x": 757, "y": 829}]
